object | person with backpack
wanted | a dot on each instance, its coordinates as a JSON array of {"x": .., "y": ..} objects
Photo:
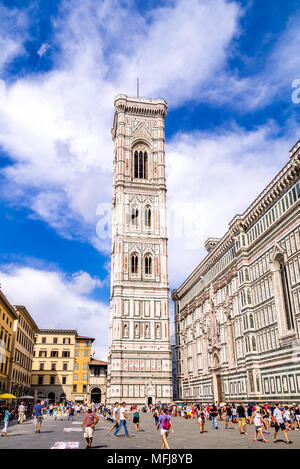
[
  {"x": 164, "y": 424},
  {"x": 136, "y": 418}
]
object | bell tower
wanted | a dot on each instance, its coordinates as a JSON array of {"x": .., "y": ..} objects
[{"x": 139, "y": 361}]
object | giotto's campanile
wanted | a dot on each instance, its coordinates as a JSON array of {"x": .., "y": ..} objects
[{"x": 139, "y": 363}]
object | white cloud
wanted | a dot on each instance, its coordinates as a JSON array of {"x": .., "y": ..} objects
[
  {"x": 57, "y": 301},
  {"x": 211, "y": 177},
  {"x": 56, "y": 126},
  {"x": 13, "y": 34}
]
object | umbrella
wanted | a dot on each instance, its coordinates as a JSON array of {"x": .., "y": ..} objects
[
  {"x": 26, "y": 397},
  {"x": 7, "y": 396}
]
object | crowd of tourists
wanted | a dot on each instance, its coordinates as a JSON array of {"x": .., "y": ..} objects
[{"x": 263, "y": 418}]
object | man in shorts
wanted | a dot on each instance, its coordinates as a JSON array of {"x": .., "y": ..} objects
[
  {"x": 38, "y": 411},
  {"x": 90, "y": 420},
  {"x": 279, "y": 423}
]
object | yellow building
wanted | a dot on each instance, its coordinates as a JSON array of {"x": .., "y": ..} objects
[
  {"x": 80, "y": 388},
  {"x": 53, "y": 364},
  {"x": 7, "y": 318},
  {"x": 24, "y": 332}
]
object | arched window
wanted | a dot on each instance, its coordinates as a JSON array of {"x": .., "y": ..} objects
[
  {"x": 148, "y": 264},
  {"x": 134, "y": 217},
  {"x": 140, "y": 164},
  {"x": 251, "y": 321},
  {"x": 286, "y": 293},
  {"x": 134, "y": 263},
  {"x": 253, "y": 344},
  {"x": 148, "y": 217}
]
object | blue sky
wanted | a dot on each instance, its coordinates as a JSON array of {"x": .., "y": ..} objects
[{"x": 226, "y": 69}]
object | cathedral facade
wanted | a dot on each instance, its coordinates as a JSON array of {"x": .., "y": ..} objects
[
  {"x": 139, "y": 360},
  {"x": 237, "y": 316}
]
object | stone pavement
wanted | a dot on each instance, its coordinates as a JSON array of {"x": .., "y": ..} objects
[{"x": 186, "y": 436}]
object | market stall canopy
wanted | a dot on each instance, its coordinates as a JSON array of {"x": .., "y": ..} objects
[
  {"x": 26, "y": 397},
  {"x": 7, "y": 396}
]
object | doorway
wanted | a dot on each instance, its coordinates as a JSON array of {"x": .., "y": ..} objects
[
  {"x": 96, "y": 395},
  {"x": 149, "y": 401}
]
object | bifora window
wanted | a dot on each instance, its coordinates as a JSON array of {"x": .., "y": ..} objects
[
  {"x": 134, "y": 263},
  {"x": 141, "y": 163}
]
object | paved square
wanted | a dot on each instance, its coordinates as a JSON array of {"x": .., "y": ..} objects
[{"x": 186, "y": 436}]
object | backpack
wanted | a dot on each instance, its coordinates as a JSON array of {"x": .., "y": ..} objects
[
  {"x": 166, "y": 424},
  {"x": 136, "y": 414}
]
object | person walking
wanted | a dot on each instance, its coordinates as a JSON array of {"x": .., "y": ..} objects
[
  {"x": 123, "y": 420},
  {"x": 164, "y": 424},
  {"x": 89, "y": 422},
  {"x": 241, "y": 412},
  {"x": 213, "y": 412},
  {"x": 136, "y": 418},
  {"x": 201, "y": 419},
  {"x": 6, "y": 417},
  {"x": 38, "y": 411},
  {"x": 155, "y": 415},
  {"x": 21, "y": 413},
  {"x": 115, "y": 417},
  {"x": 258, "y": 422},
  {"x": 279, "y": 423},
  {"x": 228, "y": 416}
]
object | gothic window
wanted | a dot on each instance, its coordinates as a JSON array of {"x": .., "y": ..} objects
[
  {"x": 286, "y": 295},
  {"x": 148, "y": 264},
  {"x": 148, "y": 216},
  {"x": 251, "y": 321},
  {"x": 140, "y": 164},
  {"x": 134, "y": 216},
  {"x": 285, "y": 292},
  {"x": 134, "y": 263},
  {"x": 253, "y": 344}
]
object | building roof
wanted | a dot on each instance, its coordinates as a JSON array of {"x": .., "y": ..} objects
[
  {"x": 22, "y": 309},
  {"x": 82, "y": 337},
  {"x": 7, "y": 304},
  {"x": 58, "y": 331},
  {"x": 97, "y": 362}
]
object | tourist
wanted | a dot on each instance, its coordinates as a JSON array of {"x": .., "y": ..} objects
[
  {"x": 279, "y": 423},
  {"x": 89, "y": 422},
  {"x": 123, "y": 420},
  {"x": 136, "y": 418},
  {"x": 164, "y": 424},
  {"x": 115, "y": 417},
  {"x": 155, "y": 415},
  {"x": 21, "y": 413},
  {"x": 213, "y": 412},
  {"x": 71, "y": 413},
  {"x": 234, "y": 413},
  {"x": 241, "y": 412},
  {"x": 258, "y": 421},
  {"x": 7, "y": 413},
  {"x": 228, "y": 416},
  {"x": 201, "y": 419},
  {"x": 38, "y": 411},
  {"x": 297, "y": 416}
]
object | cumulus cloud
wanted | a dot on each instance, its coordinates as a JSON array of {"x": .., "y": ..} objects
[
  {"x": 57, "y": 301},
  {"x": 13, "y": 34},
  {"x": 212, "y": 176}
]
